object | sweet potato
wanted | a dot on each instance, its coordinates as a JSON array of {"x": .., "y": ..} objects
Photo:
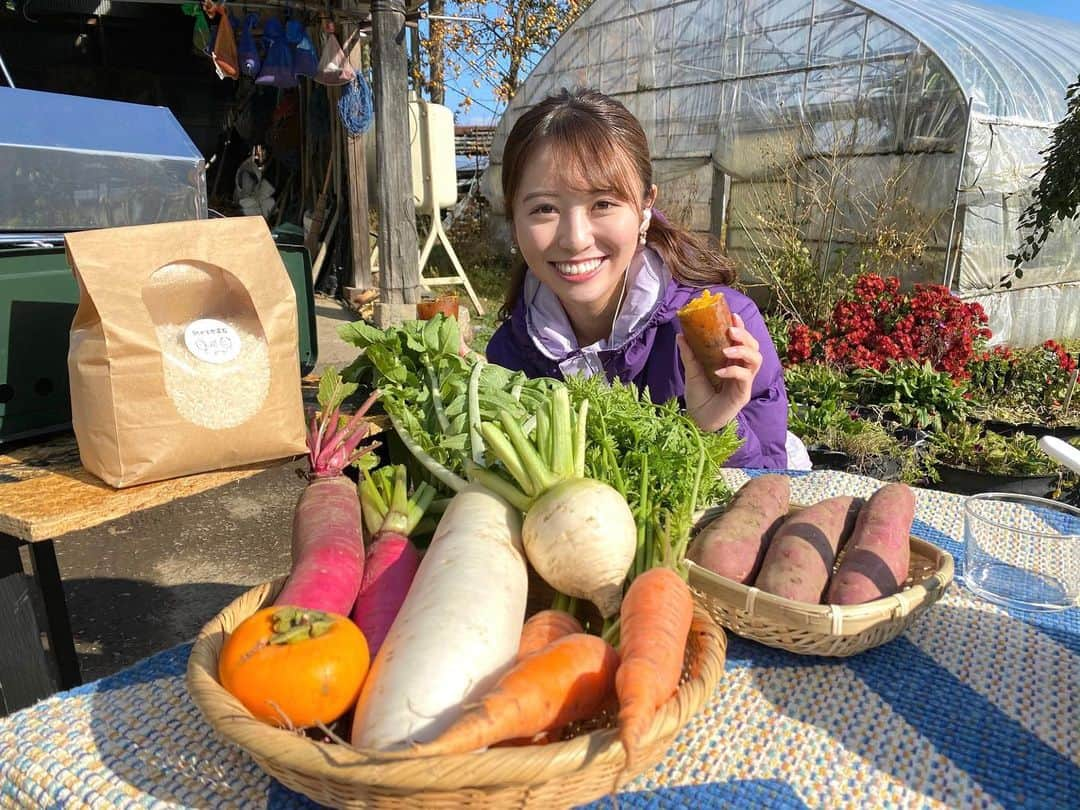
[
  {"x": 705, "y": 322},
  {"x": 733, "y": 544},
  {"x": 801, "y": 554},
  {"x": 876, "y": 558}
]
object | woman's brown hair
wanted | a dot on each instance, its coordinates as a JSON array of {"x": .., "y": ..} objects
[{"x": 600, "y": 142}]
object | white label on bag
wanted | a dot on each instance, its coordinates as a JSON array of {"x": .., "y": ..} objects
[{"x": 212, "y": 341}]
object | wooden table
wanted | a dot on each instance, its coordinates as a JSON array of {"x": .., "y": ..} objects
[{"x": 44, "y": 494}]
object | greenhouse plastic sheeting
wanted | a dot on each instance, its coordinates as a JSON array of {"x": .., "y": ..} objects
[
  {"x": 68, "y": 162},
  {"x": 891, "y": 125}
]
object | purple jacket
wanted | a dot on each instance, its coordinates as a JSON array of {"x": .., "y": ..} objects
[{"x": 647, "y": 354}]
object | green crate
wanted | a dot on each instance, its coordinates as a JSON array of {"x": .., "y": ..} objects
[{"x": 38, "y": 296}]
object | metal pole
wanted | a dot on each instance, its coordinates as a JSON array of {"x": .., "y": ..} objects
[
  {"x": 949, "y": 273},
  {"x": 7, "y": 76},
  {"x": 399, "y": 273}
]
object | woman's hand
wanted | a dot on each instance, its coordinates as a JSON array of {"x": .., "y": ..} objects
[{"x": 710, "y": 408}]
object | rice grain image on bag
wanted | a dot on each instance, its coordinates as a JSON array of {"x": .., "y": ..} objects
[{"x": 183, "y": 355}]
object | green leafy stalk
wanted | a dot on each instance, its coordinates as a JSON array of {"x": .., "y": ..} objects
[
  {"x": 505, "y": 452},
  {"x": 610, "y": 633},
  {"x": 562, "y": 453},
  {"x": 499, "y": 485},
  {"x": 436, "y": 399},
  {"x": 699, "y": 470},
  {"x": 541, "y": 476},
  {"x": 543, "y": 435},
  {"x": 372, "y": 504},
  {"x": 454, "y": 482},
  {"x": 386, "y": 503},
  {"x": 644, "y": 450},
  {"x": 642, "y": 518},
  {"x": 579, "y": 438},
  {"x": 476, "y": 440}
]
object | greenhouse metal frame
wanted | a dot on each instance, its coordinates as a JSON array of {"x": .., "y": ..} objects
[{"x": 898, "y": 129}]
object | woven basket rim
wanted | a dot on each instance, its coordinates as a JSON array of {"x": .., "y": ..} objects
[
  {"x": 844, "y": 619},
  {"x": 825, "y": 623},
  {"x": 275, "y": 748}
]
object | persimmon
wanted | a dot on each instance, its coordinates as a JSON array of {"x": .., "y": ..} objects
[{"x": 292, "y": 667}]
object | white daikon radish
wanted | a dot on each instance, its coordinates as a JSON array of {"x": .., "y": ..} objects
[{"x": 457, "y": 631}]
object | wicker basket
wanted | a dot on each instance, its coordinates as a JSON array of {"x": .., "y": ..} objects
[
  {"x": 555, "y": 775},
  {"x": 831, "y": 630}
]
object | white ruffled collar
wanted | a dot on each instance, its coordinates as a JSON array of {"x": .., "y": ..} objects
[{"x": 549, "y": 326}]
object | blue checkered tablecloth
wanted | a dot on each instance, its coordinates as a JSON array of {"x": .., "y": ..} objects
[{"x": 974, "y": 706}]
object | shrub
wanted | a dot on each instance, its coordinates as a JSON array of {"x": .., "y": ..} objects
[
  {"x": 1023, "y": 384},
  {"x": 878, "y": 324}
]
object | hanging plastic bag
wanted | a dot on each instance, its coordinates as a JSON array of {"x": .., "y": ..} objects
[
  {"x": 334, "y": 66},
  {"x": 277, "y": 67},
  {"x": 224, "y": 54},
  {"x": 305, "y": 61},
  {"x": 200, "y": 34},
  {"x": 247, "y": 51}
]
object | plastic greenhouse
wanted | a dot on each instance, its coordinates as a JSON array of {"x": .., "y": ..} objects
[{"x": 864, "y": 127}]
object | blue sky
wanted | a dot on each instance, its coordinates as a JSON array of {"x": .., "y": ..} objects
[
  {"x": 1067, "y": 9},
  {"x": 486, "y": 110}
]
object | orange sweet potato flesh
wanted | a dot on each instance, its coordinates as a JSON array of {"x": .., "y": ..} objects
[
  {"x": 734, "y": 544},
  {"x": 876, "y": 558},
  {"x": 803, "y": 549},
  {"x": 705, "y": 322}
]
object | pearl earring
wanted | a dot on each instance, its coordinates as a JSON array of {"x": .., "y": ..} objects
[
  {"x": 513, "y": 250},
  {"x": 646, "y": 217}
]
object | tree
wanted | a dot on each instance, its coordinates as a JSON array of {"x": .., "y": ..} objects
[
  {"x": 1057, "y": 197},
  {"x": 436, "y": 83},
  {"x": 500, "y": 49}
]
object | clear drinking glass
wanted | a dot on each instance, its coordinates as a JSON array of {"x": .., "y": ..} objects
[{"x": 1021, "y": 551}]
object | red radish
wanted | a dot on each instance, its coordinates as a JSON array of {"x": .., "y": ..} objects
[
  {"x": 392, "y": 559},
  {"x": 327, "y": 533}
]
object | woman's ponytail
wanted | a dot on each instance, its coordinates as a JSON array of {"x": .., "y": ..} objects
[{"x": 692, "y": 258}]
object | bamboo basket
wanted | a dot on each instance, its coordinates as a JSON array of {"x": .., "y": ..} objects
[
  {"x": 828, "y": 630},
  {"x": 559, "y": 774}
]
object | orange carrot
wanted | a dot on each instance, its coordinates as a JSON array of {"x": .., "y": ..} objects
[
  {"x": 545, "y": 627},
  {"x": 653, "y": 624},
  {"x": 540, "y": 630},
  {"x": 568, "y": 680}
]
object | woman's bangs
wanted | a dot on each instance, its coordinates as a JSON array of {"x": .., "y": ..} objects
[{"x": 591, "y": 164}]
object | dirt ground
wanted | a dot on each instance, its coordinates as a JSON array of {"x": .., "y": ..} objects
[{"x": 148, "y": 582}]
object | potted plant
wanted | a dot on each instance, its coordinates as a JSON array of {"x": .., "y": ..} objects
[
  {"x": 824, "y": 414},
  {"x": 911, "y": 395},
  {"x": 1031, "y": 390},
  {"x": 968, "y": 458}
]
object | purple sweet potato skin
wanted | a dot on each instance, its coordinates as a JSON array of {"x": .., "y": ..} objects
[
  {"x": 877, "y": 556},
  {"x": 734, "y": 544},
  {"x": 802, "y": 551}
]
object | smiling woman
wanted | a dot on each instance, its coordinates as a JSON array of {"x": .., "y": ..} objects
[
  {"x": 578, "y": 241},
  {"x": 603, "y": 274}
]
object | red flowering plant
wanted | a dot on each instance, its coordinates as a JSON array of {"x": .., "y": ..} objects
[{"x": 877, "y": 324}]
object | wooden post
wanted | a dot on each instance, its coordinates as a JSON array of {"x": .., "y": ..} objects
[
  {"x": 359, "y": 277},
  {"x": 399, "y": 270}
]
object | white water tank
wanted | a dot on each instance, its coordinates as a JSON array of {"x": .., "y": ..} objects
[{"x": 434, "y": 164}]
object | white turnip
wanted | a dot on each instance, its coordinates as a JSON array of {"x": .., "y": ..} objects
[{"x": 579, "y": 533}]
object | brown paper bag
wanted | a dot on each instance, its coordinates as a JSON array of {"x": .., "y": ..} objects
[{"x": 183, "y": 354}]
